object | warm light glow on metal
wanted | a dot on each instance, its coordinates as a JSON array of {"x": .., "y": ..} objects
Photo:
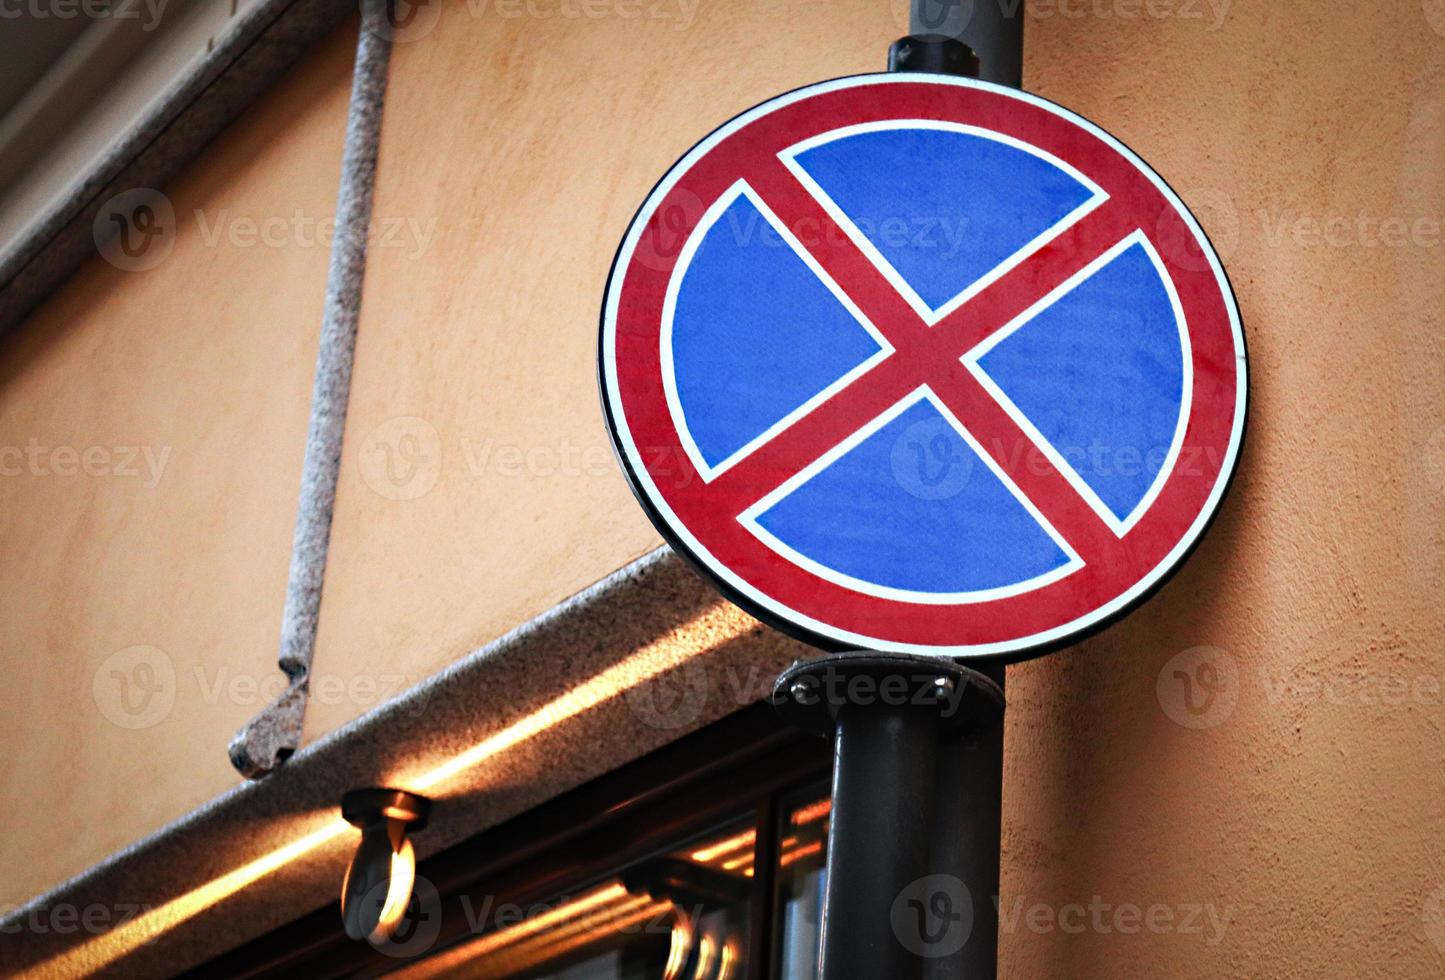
[
  {"x": 608, "y": 895},
  {"x": 807, "y": 850},
  {"x": 605, "y": 912},
  {"x": 657, "y": 658},
  {"x": 745, "y": 862},
  {"x": 706, "y": 947},
  {"x": 719, "y": 624},
  {"x": 601, "y": 925},
  {"x": 377, "y": 887},
  {"x": 681, "y": 945},
  {"x": 111, "y": 946},
  {"x": 729, "y": 960},
  {"x": 714, "y": 851},
  {"x": 398, "y": 893},
  {"x": 812, "y": 812}
]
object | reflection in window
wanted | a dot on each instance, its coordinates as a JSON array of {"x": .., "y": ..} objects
[
  {"x": 682, "y": 915},
  {"x": 802, "y": 876}
]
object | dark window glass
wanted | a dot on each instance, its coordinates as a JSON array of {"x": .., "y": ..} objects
[
  {"x": 681, "y": 915},
  {"x": 801, "y": 876},
  {"x": 700, "y": 861}
]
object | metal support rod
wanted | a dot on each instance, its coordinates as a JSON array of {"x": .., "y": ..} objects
[
  {"x": 270, "y": 738},
  {"x": 968, "y": 807},
  {"x": 890, "y": 908},
  {"x": 994, "y": 29},
  {"x": 914, "y": 838},
  {"x": 967, "y": 836},
  {"x": 878, "y": 840}
]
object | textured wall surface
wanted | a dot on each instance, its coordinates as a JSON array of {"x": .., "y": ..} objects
[
  {"x": 478, "y": 487},
  {"x": 1304, "y": 802},
  {"x": 1244, "y": 779},
  {"x": 1297, "y": 813},
  {"x": 159, "y": 401}
]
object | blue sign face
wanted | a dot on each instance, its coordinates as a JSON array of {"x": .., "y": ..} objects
[{"x": 940, "y": 381}]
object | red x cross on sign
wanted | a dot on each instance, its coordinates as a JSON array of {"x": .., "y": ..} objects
[{"x": 709, "y": 510}]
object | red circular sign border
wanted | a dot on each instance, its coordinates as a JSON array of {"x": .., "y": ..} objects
[{"x": 831, "y": 615}]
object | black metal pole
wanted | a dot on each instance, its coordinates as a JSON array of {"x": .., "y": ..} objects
[
  {"x": 967, "y": 839},
  {"x": 977, "y": 38},
  {"x": 993, "y": 29},
  {"x": 914, "y": 839},
  {"x": 984, "y": 40},
  {"x": 878, "y": 839},
  {"x": 887, "y": 910}
]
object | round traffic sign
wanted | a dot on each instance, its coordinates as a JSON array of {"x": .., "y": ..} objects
[{"x": 922, "y": 364}]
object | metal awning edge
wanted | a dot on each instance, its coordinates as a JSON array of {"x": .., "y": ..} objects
[
  {"x": 721, "y": 660},
  {"x": 254, "y": 53}
]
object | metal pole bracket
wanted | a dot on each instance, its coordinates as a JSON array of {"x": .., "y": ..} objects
[{"x": 810, "y": 693}]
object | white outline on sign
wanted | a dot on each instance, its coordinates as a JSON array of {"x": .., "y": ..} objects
[
  {"x": 669, "y": 311},
  {"x": 1097, "y": 196},
  {"x": 972, "y": 358},
  {"x": 749, "y": 517},
  {"x": 637, "y": 465}
]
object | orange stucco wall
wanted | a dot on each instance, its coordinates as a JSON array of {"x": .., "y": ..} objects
[
  {"x": 161, "y": 416},
  {"x": 1257, "y": 751}
]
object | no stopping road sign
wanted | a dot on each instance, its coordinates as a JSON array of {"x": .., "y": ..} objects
[{"x": 922, "y": 364}]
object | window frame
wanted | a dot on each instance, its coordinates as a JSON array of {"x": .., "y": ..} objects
[{"x": 747, "y": 762}]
